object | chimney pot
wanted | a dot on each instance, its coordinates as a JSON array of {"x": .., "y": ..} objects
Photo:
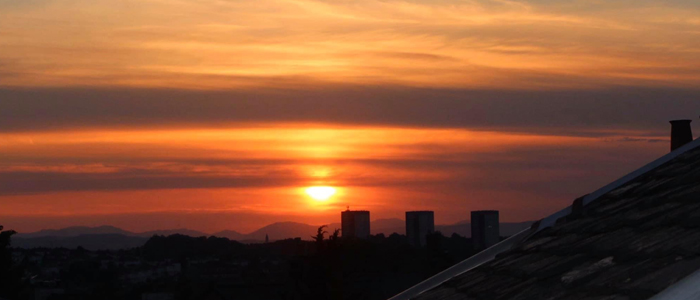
[{"x": 681, "y": 133}]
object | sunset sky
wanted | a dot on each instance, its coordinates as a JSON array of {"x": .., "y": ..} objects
[{"x": 219, "y": 114}]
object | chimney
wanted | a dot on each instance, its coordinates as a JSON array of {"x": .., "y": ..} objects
[{"x": 680, "y": 133}]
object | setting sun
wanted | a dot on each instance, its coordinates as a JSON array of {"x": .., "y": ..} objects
[{"x": 320, "y": 193}]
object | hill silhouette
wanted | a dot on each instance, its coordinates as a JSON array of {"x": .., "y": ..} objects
[
  {"x": 283, "y": 230},
  {"x": 108, "y": 241},
  {"x": 166, "y": 232},
  {"x": 75, "y": 231},
  {"x": 110, "y": 237}
]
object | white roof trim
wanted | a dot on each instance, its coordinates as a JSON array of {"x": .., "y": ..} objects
[
  {"x": 462, "y": 267},
  {"x": 490, "y": 253},
  {"x": 686, "y": 289}
]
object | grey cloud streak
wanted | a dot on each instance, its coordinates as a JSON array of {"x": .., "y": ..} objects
[{"x": 567, "y": 112}]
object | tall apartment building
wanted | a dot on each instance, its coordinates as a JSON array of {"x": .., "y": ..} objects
[
  {"x": 485, "y": 229},
  {"x": 355, "y": 223},
  {"x": 418, "y": 225}
]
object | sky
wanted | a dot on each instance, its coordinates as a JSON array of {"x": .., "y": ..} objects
[{"x": 218, "y": 114}]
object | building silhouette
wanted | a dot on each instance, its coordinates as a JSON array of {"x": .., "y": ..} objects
[
  {"x": 485, "y": 229},
  {"x": 681, "y": 133},
  {"x": 355, "y": 223},
  {"x": 418, "y": 225}
]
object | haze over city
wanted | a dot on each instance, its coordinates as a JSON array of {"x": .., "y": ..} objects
[{"x": 214, "y": 115}]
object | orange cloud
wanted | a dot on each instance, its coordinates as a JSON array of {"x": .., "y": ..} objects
[
  {"x": 264, "y": 169},
  {"x": 311, "y": 43}
]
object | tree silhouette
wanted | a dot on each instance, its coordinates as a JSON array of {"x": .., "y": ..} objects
[
  {"x": 334, "y": 239},
  {"x": 335, "y": 236},
  {"x": 320, "y": 235},
  {"x": 10, "y": 276}
]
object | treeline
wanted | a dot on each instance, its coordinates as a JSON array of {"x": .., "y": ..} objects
[
  {"x": 326, "y": 267},
  {"x": 376, "y": 268},
  {"x": 178, "y": 247}
]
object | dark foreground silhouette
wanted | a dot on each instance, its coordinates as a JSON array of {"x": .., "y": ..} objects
[{"x": 183, "y": 267}]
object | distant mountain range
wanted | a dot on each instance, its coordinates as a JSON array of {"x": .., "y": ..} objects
[
  {"x": 110, "y": 237},
  {"x": 105, "y": 241}
]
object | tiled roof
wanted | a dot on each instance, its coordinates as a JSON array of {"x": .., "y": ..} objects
[{"x": 630, "y": 243}]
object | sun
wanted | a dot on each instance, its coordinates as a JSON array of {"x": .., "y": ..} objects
[{"x": 320, "y": 193}]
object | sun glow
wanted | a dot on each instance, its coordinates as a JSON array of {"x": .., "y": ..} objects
[{"x": 320, "y": 193}]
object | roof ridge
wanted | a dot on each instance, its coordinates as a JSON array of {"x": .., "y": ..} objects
[
  {"x": 587, "y": 199},
  {"x": 578, "y": 204}
]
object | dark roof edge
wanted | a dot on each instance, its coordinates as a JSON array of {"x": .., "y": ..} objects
[
  {"x": 462, "y": 267},
  {"x": 490, "y": 253}
]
